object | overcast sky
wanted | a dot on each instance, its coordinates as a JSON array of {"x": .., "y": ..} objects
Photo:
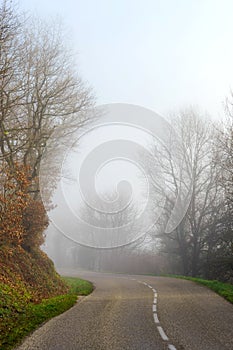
[{"x": 160, "y": 54}]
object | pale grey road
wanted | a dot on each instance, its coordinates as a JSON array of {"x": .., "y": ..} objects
[{"x": 118, "y": 315}]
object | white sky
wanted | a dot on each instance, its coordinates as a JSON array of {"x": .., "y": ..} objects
[{"x": 161, "y": 54}]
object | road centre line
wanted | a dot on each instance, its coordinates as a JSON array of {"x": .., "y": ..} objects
[
  {"x": 156, "y": 318},
  {"x": 162, "y": 333},
  {"x": 155, "y": 315},
  {"x": 171, "y": 347}
]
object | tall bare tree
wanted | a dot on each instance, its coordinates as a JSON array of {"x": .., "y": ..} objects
[
  {"x": 195, "y": 167},
  {"x": 220, "y": 238},
  {"x": 40, "y": 93},
  {"x": 40, "y": 89}
]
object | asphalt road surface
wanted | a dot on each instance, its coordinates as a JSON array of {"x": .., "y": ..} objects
[{"x": 139, "y": 313}]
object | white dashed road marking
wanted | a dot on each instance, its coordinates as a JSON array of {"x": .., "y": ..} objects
[
  {"x": 162, "y": 333},
  {"x": 155, "y": 315},
  {"x": 156, "y": 318},
  {"x": 171, "y": 347}
]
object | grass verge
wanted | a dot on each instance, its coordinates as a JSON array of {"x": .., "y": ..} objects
[
  {"x": 223, "y": 289},
  {"x": 19, "y": 317},
  {"x": 78, "y": 286}
]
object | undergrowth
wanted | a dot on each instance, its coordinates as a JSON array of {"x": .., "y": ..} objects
[
  {"x": 78, "y": 286},
  {"x": 31, "y": 292}
]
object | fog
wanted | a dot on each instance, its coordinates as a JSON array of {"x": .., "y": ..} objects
[
  {"x": 163, "y": 55},
  {"x": 106, "y": 211},
  {"x": 143, "y": 188}
]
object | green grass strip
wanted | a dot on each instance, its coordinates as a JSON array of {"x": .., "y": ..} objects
[
  {"x": 19, "y": 319},
  {"x": 223, "y": 289},
  {"x": 78, "y": 286}
]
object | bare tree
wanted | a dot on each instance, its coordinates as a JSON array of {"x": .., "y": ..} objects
[
  {"x": 10, "y": 84},
  {"x": 195, "y": 166},
  {"x": 42, "y": 97},
  {"x": 40, "y": 90},
  {"x": 220, "y": 237}
]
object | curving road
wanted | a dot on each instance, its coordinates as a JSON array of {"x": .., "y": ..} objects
[{"x": 139, "y": 313}]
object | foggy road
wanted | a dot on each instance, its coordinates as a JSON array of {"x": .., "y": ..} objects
[{"x": 137, "y": 313}]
